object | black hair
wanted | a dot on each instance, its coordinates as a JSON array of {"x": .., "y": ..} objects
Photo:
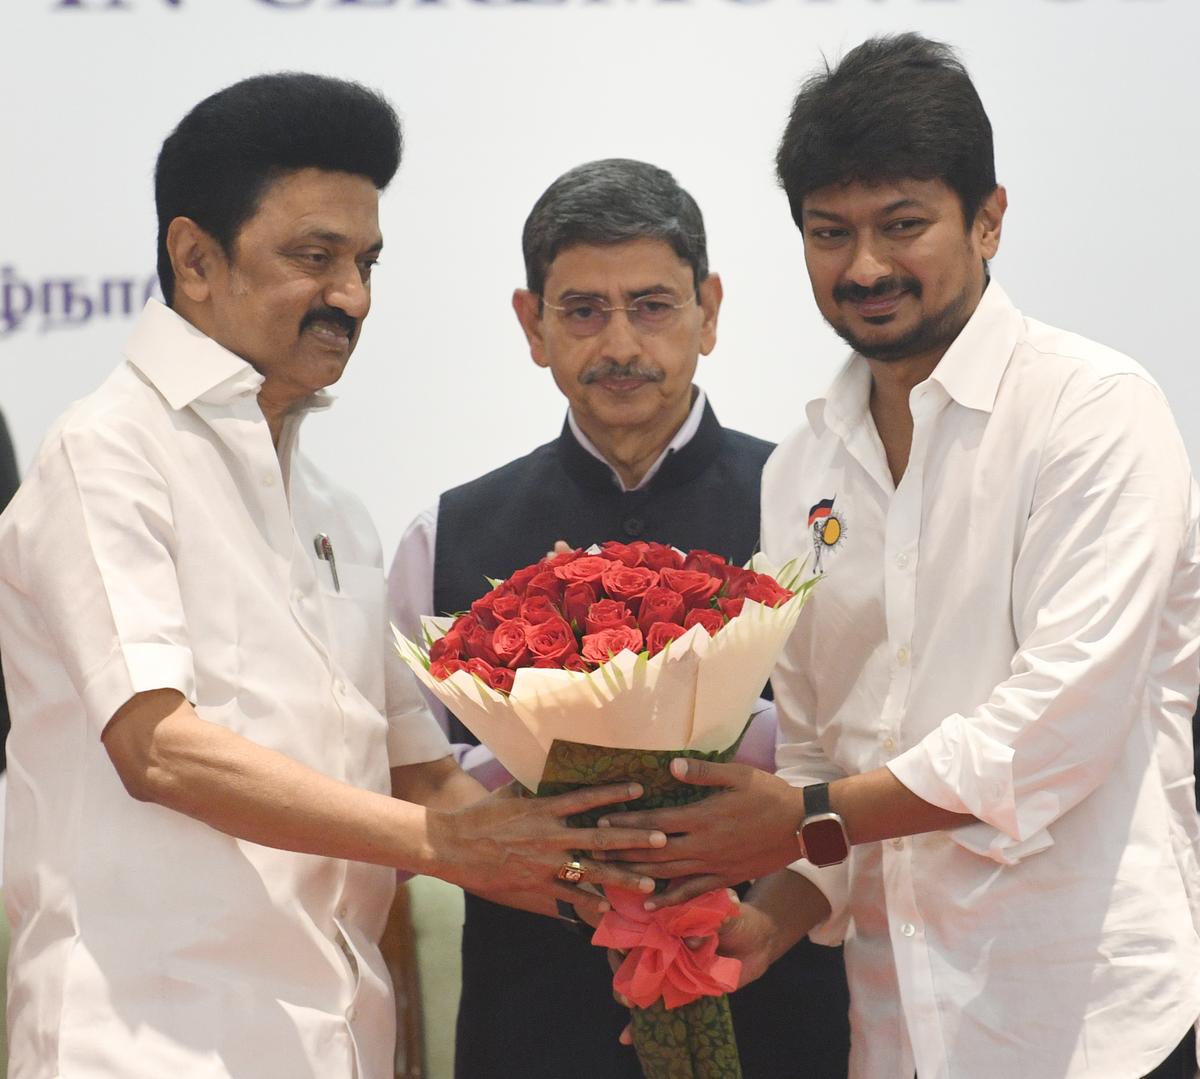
[
  {"x": 215, "y": 166},
  {"x": 896, "y": 107},
  {"x": 610, "y": 202}
]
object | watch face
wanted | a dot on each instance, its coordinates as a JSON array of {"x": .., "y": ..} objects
[{"x": 824, "y": 840}]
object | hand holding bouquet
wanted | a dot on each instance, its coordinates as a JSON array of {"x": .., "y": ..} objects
[{"x": 603, "y": 665}]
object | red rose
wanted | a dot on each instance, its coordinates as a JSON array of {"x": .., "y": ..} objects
[
  {"x": 660, "y": 556},
  {"x": 660, "y": 605},
  {"x": 538, "y": 609},
  {"x": 477, "y": 641},
  {"x": 552, "y": 639},
  {"x": 519, "y": 581},
  {"x": 767, "y": 591},
  {"x": 575, "y": 662},
  {"x": 737, "y": 580},
  {"x": 508, "y": 642},
  {"x": 497, "y": 677},
  {"x": 628, "y": 553},
  {"x": 695, "y": 587},
  {"x": 507, "y": 606},
  {"x": 710, "y": 619},
  {"x": 608, "y": 614},
  {"x": 600, "y": 647},
  {"x": 707, "y": 562},
  {"x": 577, "y": 598},
  {"x": 484, "y": 607},
  {"x": 441, "y": 669},
  {"x": 730, "y": 608},
  {"x": 589, "y": 568},
  {"x": 661, "y": 634},
  {"x": 545, "y": 584},
  {"x": 448, "y": 647},
  {"x": 628, "y": 583}
]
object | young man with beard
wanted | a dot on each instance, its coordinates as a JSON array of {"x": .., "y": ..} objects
[
  {"x": 990, "y": 693},
  {"x": 217, "y": 762},
  {"x": 619, "y": 306}
]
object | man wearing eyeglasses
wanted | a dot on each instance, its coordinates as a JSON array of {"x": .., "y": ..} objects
[{"x": 619, "y": 305}]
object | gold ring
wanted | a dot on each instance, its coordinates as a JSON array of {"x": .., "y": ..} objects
[{"x": 572, "y": 872}]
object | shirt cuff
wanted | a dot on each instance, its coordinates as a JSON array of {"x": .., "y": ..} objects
[
  {"x": 833, "y": 882},
  {"x": 137, "y": 668},
  {"x": 414, "y": 738}
]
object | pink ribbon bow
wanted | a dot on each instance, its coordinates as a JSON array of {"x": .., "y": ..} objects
[{"x": 659, "y": 963}]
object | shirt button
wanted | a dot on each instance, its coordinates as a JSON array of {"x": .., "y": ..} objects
[
  {"x": 339, "y": 687},
  {"x": 889, "y": 743},
  {"x": 351, "y": 1013},
  {"x": 902, "y": 560},
  {"x": 902, "y": 656},
  {"x": 634, "y": 526},
  {"x": 268, "y": 480},
  {"x": 297, "y": 597},
  {"x": 898, "y": 844},
  {"x": 908, "y": 929}
]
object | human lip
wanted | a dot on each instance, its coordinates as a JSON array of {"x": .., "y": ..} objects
[
  {"x": 879, "y": 306},
  {"x": 622, "y": 384},
  {"x": 329, "y": 334}
]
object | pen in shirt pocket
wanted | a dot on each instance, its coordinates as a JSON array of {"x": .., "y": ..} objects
[{"x": 325, "y": 552}]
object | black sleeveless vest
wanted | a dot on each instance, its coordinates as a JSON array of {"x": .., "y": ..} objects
[{"x": 537, "y": 998}]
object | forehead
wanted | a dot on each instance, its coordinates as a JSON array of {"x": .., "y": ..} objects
[
  {"x": 858, "y": 199},
  {"x": 617, "y": 269},
  {"x": 340, "y": 204}
]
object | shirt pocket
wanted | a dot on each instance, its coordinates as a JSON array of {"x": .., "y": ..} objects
[{"x": 355, "y": 615}]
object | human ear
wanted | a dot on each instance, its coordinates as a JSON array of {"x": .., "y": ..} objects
[
  {"x": 988, "y": 222},
  {"x": 192, "y": 252},
  {"x": 528, "y": 307},
  {"x": 711, "y": 292}
]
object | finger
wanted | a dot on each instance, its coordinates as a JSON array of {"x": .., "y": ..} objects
[
  {"x": 682, "y": 890},
  {"x": 585, "y": 798},
  {"x": 589, "y": 907},
  {"x": 603, "y": 840},
  {"x": 669, "y": 870},
  {"x": 626, "y": 1035},
  {"x": 618, "y": 877},
  {"x": 663, "y": 820},
  {"x": 706, "y": 773},
  {"x": 562, "y": 547}
]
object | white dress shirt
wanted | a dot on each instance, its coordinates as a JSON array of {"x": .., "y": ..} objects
[
  {"x": 1013, "y": 631},
  {"x": 160, "y": 541}
]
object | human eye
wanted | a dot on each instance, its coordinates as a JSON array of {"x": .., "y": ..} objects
[
  {"x": 312, "y": 258},
  {"x": 906, "y": 226},
  {"x": 365, "y": 266},
  {"x": 828, "y": 234},
  {"x": 656, "y": 309}
]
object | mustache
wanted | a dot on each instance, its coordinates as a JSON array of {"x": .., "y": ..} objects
[
  {"x": 885, "y": 286},
  {"x": 331, "y": 315},
  {"x": 612, "y": 369}
]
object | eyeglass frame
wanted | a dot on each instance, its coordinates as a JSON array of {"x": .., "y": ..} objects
[{"x": 630, "y": 309}]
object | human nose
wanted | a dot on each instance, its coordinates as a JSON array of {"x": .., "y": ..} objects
[
  {"x": 350, "y": 293},
  {"x": 619, "y": 338},
  {"x": 867, "y": 263}
]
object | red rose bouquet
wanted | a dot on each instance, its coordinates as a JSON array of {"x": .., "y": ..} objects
[{"x": 603, "y": 665}]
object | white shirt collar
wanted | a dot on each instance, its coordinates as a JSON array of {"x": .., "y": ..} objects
[
  {"x": 186, "y": 366},
  {"x": 969, "y": 372},
  {"x": 682, "y": 437}
]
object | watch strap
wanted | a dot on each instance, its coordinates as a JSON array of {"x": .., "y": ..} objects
[{"x": 816, "y": 799}]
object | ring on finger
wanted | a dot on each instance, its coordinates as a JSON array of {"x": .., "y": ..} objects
[{"x": 573, "y": 872}]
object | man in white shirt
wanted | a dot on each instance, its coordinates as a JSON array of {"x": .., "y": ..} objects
[
  {"x": 216, "y": 760},
  {"x": 990, "y": 694}
]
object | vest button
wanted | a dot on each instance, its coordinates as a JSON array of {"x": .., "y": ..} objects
[{"x": 634, "y": 526}]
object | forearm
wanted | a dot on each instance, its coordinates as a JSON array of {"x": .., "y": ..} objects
[
  {"x": 165, "y": 753},
  {"x": 876, "y": 805},
  {"x": 792, "y": 904}
]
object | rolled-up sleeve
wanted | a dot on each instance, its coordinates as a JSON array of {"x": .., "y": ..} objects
[
  {"x": 97, "y": 556},
  {"x": 1109, "y": 517}
]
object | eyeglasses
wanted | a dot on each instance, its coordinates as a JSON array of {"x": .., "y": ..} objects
[{"x": 586, "y": 316}]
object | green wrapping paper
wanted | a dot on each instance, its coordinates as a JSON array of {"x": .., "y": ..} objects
[{"x": 695, "y": 1041}]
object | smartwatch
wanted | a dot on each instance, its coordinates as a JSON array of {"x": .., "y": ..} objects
[{"x": 821, "y": 833}]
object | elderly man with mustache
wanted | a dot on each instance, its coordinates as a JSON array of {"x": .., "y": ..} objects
[{"x": 619, "y": 306}]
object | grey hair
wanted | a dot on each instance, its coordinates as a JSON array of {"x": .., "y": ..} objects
[{"x": 610, "y": 202}]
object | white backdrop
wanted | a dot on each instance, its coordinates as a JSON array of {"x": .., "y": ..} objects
[{"x": 1093, "y": 103}]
